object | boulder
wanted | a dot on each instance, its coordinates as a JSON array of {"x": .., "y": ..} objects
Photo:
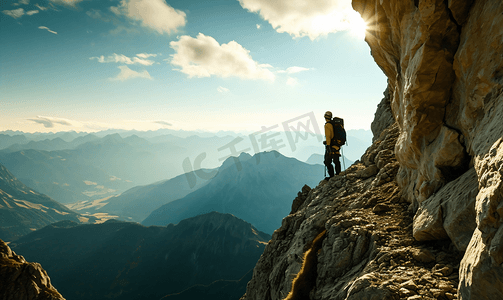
[
  {"x": 459, "y": 209},
  {"x": 479, "y": 277},
  {"x": 370, "y": 171},
  {"x": 450, "y": 213},
  {"x": 428, "y": 222}
]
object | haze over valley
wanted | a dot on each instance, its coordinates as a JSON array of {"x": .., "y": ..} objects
[
  {"x": 150, "y": 149},
  {"x": 75, "y": 167},
  {"x": 96, "y": 189}
]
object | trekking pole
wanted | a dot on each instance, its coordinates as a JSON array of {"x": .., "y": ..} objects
[
  {"x": 325, "y": 168},
  {"x": 343, "y": 163}
]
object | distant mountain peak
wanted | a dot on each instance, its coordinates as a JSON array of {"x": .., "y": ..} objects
[
  {"x": 233, "y": 160},
  {"x": 113, "y": 136},
  {"x": 216, "y": 224},
  {"x": 256, "y": 188},
  {"x": 215, "y": 218},
  {"x": 136, "y": 139},
  {"x": 269, "y": 154},
  {"x": 259, "y": 158}
]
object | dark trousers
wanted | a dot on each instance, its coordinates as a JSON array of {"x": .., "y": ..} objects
[{"x": 329, "y": 157}]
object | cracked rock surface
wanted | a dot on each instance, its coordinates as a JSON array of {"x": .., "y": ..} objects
[{"x": 368, "y": 251}]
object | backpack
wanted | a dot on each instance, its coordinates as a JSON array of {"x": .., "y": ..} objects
[{"x": 339, "y": 138}]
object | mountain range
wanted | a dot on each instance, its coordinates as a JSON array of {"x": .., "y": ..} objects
[
  {"x": 267, "y": 186},
  {"x": 106, "y": 166},
  {"x": 124, "y": 260},
  {"x": 236, "y": 189},
  {"x": 259, "y": 190},
  {"x": 73, "y": 167}
]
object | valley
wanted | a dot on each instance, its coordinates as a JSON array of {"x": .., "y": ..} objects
[{"x": 208, "y": 224}]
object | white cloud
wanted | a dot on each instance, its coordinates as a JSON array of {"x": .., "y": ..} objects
[
  {"x": 121, "y": 58},
  {"x": 41, "y": 7},
  {"x": 293, "y": 70},
  {"x": 299, "y": 18},
  {"x": 126, "y": 73},
  {"x": 155, "y": 14},
  {"x": 258, "y": 26},
  {"x": 43, "y": 27},
  {"x": 25, "y": 2},
  {"x": 145, "y": 55},
  {"x": 18, "y": 13},
  {"x": 49, "y": 122},
  {"x": 66, "y": 2},
  {"x": 15, "y": 13},
  {"x": 116, "y": 10},
  {"x": 291, "y": 81},
  {"x": 221, "y": 89},
  {"x": 204, "y": 56}
]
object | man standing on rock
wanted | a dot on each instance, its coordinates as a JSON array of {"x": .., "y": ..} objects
[{"x": 335, "y": 138}]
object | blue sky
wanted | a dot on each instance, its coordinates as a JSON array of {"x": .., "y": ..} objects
[{"x": 89, "y": 65}]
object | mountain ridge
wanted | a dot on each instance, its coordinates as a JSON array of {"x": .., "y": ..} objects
[
  {"x": 257, "y": 189},
  {"x": 23, "y": 210},
  {"x": 147, "y": 262}
]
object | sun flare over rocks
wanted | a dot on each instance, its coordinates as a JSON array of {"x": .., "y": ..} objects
[{"x": 357, "y": 26}]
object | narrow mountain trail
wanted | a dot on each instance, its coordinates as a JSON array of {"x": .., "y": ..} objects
[
  {"x": 406, "y": 268},
  {"x": 368, "y": 250}
]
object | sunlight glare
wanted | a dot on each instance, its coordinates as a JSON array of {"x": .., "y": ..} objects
[
  {"x": 347, "y": 20},
  {"x": 357, "y": 26}
]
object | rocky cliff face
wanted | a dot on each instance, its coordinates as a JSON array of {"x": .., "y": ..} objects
[
  {"x": 445, "y": 67},
  {"x": 421, "y": 215},
  {"x": 21, "y": 280},
  {"x": 366, "y": 251}
]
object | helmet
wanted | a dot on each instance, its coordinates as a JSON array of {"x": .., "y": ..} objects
[{"x": 328, "y": 115}]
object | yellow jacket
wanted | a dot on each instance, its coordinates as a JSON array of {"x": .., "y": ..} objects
[{"x": 329, "y": 134}]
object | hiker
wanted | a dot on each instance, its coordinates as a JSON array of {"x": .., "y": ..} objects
[{"x": 335, "y": 138}]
